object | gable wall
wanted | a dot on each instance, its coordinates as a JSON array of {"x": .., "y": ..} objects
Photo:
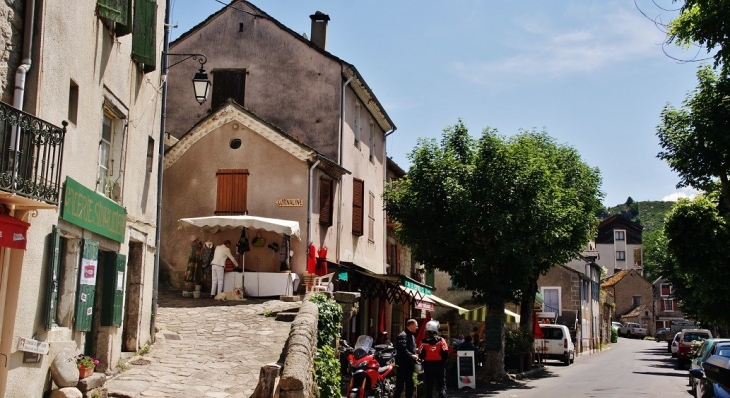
[{"x": 631, "y": 285}]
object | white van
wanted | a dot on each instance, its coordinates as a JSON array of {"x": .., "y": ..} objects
[{"x": 556, "y": 344}]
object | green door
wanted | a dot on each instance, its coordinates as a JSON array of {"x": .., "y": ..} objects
[
  {"x": 54, "y": 259},
  {"x": 112, "y": 290},
  {"x": 87, "y": 285}
]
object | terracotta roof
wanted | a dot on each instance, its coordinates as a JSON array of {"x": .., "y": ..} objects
[
  {"x": 636, "y": 311},
  {"x": 613, "y": 279}
]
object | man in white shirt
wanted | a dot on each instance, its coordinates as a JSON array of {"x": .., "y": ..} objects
[{"x": 217, "y": 265}]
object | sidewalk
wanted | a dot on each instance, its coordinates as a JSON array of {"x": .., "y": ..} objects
[{"x": 205, "y": 348}]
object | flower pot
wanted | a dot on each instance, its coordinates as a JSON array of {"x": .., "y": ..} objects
[
  {"x": 85, "y": 372},
  {"x": 196, "y": 294},
  {"x": 197, "y": 287}
]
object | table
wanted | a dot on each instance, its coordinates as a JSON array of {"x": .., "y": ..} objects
[{"x": 266, "y": 284}]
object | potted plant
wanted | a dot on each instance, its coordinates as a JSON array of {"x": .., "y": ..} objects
[
  {"x": 516, "y": 346},
  {"x": 86, "y": 364}
]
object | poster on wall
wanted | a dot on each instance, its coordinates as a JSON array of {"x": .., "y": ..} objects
[{"x": 88, "y": 272}]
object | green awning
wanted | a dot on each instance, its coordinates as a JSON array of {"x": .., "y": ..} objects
[{"x": 539, "y": 299}]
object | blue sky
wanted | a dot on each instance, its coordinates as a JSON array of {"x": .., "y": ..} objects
[{"x": 592, "y": 73}]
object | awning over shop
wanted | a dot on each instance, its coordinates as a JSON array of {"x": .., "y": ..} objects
[
  {"x": 223, "y": 223},
  {"x": 480, "y": 314},
  {"x": 443, "y": 303}
]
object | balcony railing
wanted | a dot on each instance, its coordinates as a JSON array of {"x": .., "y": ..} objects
[{"x": 31, "y": 153}]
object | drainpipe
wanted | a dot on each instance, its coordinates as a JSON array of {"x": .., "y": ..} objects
[
  {"x": 309, "y": 204},
  {"x": 160, "y": 169},
  {"x": 340, "y": 161},
  {"x": 24, "y": 67}
]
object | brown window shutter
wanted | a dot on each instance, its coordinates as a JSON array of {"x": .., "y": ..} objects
[
  {"x": 397, "y": 258},
  {"x": 371, "y": 217},
  {"x": 661, "y": 305},
  {"x": 231, "y": 198},
  {"x": 358, "y": 188},
  {"x": 228, "y": 83},
  {"x": 325, "y": 202},
  {"x": 388, "y": 248}
]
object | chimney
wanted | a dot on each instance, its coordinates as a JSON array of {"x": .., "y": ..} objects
[{"x": 319, "y": 28}]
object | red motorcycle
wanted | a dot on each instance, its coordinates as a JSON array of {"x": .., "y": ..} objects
[{"x": 370, "y": 369}]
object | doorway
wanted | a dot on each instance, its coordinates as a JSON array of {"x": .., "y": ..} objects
[{"x": 133, "y": 299}]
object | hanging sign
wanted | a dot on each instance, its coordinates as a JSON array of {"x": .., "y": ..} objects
[
  {"x": 465, "y": 369},
  {"x": 424, "y": 305},
  {"x": 34, "y": 346},
  {"x": 89, "y": 210}
]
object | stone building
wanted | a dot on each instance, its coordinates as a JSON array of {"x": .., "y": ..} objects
[{"x": 632, "y": 294}]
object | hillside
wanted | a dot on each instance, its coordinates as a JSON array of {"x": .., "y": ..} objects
[{"x": 650, "y": 214}]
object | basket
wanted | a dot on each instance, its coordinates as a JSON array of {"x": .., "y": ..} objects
[{"x": 258, "y": 240}]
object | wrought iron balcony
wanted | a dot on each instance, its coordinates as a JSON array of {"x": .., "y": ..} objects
[{"x": 31, "y": 153}]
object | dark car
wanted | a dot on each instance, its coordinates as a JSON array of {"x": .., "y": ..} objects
[
  {"x": 661, "y": 335},
  {"x": 700, "y": 385}
]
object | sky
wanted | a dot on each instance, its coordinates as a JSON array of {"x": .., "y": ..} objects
[{"x": 594, "y": 74}]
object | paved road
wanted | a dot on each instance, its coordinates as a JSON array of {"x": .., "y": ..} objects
[
  {"x": 630, "y": 368},
  {"x": 206, "y": 348}
]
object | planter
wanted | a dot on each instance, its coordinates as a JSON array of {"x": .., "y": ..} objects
[
  {"x": 198, "y": 287},
  {"x": 85, "y": 372},
  {"x": 196, "y": 294}
]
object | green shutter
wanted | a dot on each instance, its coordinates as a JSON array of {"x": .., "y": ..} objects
[
  {"x": 143, "y": 36},
  {"x": 112, "y": 289},
  {"x": 125, "y": 29},
  {"x": 54, "y": 259},
  {"x": 87, "y": 285},
  {"x": 430, "y": 277},
  {"x": 114, "y": 10}
]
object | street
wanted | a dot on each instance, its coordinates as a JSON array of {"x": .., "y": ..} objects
[{"x": 627, "y": 368}]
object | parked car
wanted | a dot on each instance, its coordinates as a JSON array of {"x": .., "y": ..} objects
[
  {"x": 557, "y": 344},
  {"x": 708, "y": 348},
  {"x": 674, "y": 344},
  {"x": 631, "y": 329},
  {"x": 686, "y": 337},
  {"x": 661, "y": 335},
  {"x": 615, "y": 326}
]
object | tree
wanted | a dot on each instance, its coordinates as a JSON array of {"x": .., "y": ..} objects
[
  {"x": 656, "y": 254},
  {"x": 494, "y": 212},
  {"x": 697, "y": 241},
  {"x": 694, "y": 138},
  {"x": 703, "y": 22}
]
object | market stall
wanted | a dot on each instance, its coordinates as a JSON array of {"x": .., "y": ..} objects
[{"x": 256, "y": 283}]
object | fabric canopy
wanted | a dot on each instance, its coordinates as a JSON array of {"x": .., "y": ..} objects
[
  {"x": 223, "y": 223},
  {"x": 443, "y": 303},
  {"x": 480, "y": 314}
]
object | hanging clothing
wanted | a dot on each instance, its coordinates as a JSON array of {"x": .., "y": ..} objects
[
  {"x": 284, "y": 254},
  {"x": 206, "y": 255},
  {"x": 242, "y": 246},
  {"x": 194, "y": 270}
]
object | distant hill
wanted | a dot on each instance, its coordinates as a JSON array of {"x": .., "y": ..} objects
[{"x": 650, "y": 214}]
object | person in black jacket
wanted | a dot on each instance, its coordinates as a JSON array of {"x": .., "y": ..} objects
[{"x": 405, "y": 359}]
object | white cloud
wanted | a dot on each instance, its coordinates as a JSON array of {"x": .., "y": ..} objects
[
  {"x": 685, "y": 193},
  {"x": 604, "y": 38}
]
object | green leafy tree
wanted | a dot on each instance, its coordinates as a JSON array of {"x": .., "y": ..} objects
[
  {"x": 697, "y": 240},
  {"x": 656, "y": 253},
  {"x": 703, "y": 22},
  {"x": 494, "y": 212},
  {"x": 694, "y": 138}
]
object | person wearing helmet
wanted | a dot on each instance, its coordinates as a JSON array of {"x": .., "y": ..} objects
[
  {"x": 434, "y": 353},
  {"x": 405, "y": 359}
]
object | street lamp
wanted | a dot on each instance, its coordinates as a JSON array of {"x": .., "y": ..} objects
[{"x": 201, "y": 82}]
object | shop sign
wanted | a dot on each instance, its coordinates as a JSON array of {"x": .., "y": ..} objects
[
  {"x": 424, "y": 305},
  {"x": 34, "y": 346},
  {"x": 290, "y": 202},
  {"x": 416, "y": 287},
  {"x": 94, "y": 212},
  {"x": 13, "y": 232}
]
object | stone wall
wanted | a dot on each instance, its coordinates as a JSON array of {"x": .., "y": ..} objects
[{"x": 11, "y": 43}]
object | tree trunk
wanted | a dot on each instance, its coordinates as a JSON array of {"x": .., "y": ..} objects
[
  {"x": 494, "y": 343},
  {"x": 267, "y": 381}
]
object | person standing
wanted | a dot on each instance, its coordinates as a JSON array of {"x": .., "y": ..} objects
[
  {"x": 405, "y": 359},
  {"x": 217, "y": 265},
  {"x": 434, "y": 353}
]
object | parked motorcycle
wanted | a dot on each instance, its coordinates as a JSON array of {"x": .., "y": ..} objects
[{"x": 370, "y": 368}]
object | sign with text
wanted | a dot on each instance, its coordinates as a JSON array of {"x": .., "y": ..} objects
[
  {"x": 92, "y": 211},
  {"x": 465, "y": 369},
  {"x": 424, "y": 305},
  {"x": 34, "y": 346},
  {"x": 290, "y": 202}
]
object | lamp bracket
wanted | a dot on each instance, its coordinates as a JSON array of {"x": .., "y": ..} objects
[{"x": 198, "y": 57}]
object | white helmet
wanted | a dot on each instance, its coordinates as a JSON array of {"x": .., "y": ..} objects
[{"x": 432, "y": 326}]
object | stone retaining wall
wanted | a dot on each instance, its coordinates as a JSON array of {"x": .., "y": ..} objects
[{"x": 296, "y": 376}]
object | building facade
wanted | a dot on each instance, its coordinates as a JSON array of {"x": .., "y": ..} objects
[
  {"x": 85, "y": 88},
  {"x": 619, "y": 245},
  {"x": 632, "y": 294}
]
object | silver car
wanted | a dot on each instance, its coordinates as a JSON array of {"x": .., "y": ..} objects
[{"x": 674, "y": 345}]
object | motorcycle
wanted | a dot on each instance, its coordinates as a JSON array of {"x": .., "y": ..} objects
[{"x": 370, "y": 369}]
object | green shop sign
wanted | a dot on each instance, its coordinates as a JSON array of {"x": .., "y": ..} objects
[
  {"x": 89, "y": 210},
  {"x": 416, "y": 287}
]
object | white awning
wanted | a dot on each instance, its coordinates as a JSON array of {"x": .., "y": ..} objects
[
  {"x": 443, "y": 303},
  {"x": 223, "y": 223}
]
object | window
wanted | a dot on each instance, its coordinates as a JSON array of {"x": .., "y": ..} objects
[
  {"x": 150, "y": 153},
  {"x": 372, "y": 142},
  {"x": 620, "y": 235},
  {"x": 232, "y": 191},
  {"x": 636, "y": 300},
  {"x": 371, "y": 217},
  {"x": 621, "y": 255},
  {"x": 668, "y": 305},
  {"x": 393, "y": 259},
  {"x": 325, "y": 202},
  {"x": 356, "y": 128},
  {"x": 551, "y": 299},
  {"x": 73, "y": 102},
  {"x": 116, "y": 13},
  {"x": 228, "y": 83},
  {"x": 358, "y": 188},
  {"x": 110, "y": 154},
  {"x": 666, "y": 289}
]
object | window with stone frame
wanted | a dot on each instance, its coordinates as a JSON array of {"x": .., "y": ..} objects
[{"x": 325, "y": 202}]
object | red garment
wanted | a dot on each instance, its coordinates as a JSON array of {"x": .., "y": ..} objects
[
  {"x": 311, "y": 259},
  {"x": 422, "y": 330},
  {"x": 536, "y": 329},
  {"x": 434, "y": 350}
]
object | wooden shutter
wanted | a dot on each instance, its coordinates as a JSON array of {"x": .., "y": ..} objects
[
  {"x": 125, "y": 29},
  {"x": 54, "y": 260},
  {"x": 232, "y": 193},
  {"x": 371, "y": 217},
  {"x": 114, "y": 10},
  {"x": 358, "y": 188},
  {"x": 112, "y": 289},
  {"x": 143, "y": 37},
  {"x": 87, "y": 285},
  {"x": 228, "y": 83},
  {"x": 325, "y": 202}
]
